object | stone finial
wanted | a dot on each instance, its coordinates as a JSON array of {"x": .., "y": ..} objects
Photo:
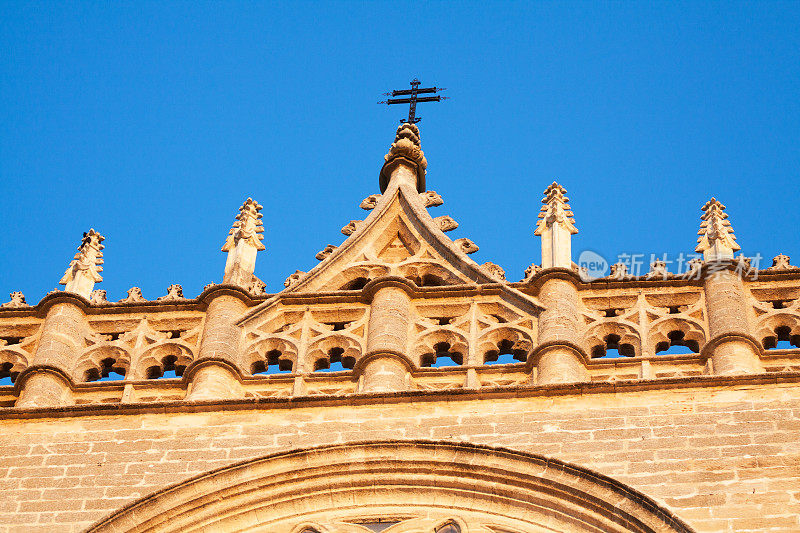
[
  {"x": 556, "y": 225},
  {"x": 174, "y": 292},
  {"x": 494, "y": 270},
  {"x": 658, "y": 270},
  {"x": 84, "y": 269},
  {"x": 531, "y": 271},
  {"x": 716, "y": 239},
  {"x": 619, "y": 271},
  {"x": 446, "y": 223},
  {"x": 17, "y": 300},
  {"x": 370, "y": 202},
  {"x": 134, "y": 296},
  {"x": 325, "y": 252},
  {"x": 694, "y": 268},
  {"x": 466, "y": 245},
  {"x": 406, "y": 146},
  {"x": 98, "y": 297},
  {"x": 294, "y": 278},
  {"x": 431, "y": 198},
  {"x": 257, "y": 287},
  {"x": 351, "y": 227},
  {"x": 244, "y": 240},
  {"x": 781, "y": 262}
]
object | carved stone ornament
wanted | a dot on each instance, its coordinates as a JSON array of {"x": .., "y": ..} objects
[
  {"x": 17, "y": 301},
  {"x": 84, "y": 269},
  {"x": 531, "y": 271},
  {"x": 431, "y": 198},
  {"x": 370, "y": 202},
  {"x": 694, "y": 268},
  {"x": 716, "y": 239},
  {"x": 351, "y": 227},
  {"x": 294, "y": 278},
  {"x": 494, "y": 270},
  {"x": 446, "y": 223},
  {"x": 98, "y": 297},
  {"x": 781, "y": 262},
  {"x": 407, "y": 144},
  {"x": 174, "y": 292},
  {"x": 257, "y": 287},
  {"x": 323, "y": 254},
  {"x": 658, "y": 270},
  {"x": 619, "y": 271},
  {"x": 208, "y": 286},
  {"x": 555, "y": 210},
  {"x": 466, "y": 245},
  {"x": 248, "y": 227},
  {"x": 134, "y": 295}
]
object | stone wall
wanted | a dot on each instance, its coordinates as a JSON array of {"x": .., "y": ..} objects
[{"x": 723, "y": 457}]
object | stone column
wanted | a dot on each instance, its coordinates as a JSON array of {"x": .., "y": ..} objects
[
  {"x": 732, "y": 346},
  {"x": 385, "y": 368},
  {"x": 558, "y": 359},
  {"x": 733, "y": 349},
  {"x": 58, "y": 348},
  {"x": 219, "y": 347}
]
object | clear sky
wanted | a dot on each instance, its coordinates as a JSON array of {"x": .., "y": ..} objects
[{"x": 153, "y": 121}]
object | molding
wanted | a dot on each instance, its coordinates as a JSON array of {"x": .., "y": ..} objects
[
  {"x": 364, "y": 360},
  {"x": 194, "y": 366},
  {"x": 708, "y": 347},
  {"x": 408, "y": 396},
  {"x": 23, "y": 376},
  {"x": 536, "y": 353}
]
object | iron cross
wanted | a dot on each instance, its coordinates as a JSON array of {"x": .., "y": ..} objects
[{"x": 413, "y": 99}]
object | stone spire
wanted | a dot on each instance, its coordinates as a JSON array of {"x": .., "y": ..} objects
[
  {"x": 84, "y": 269},
  {"x": 716, "y": 239},
  {"x": 407, "y": 149},
  {"x": 555, "y": 227},
  {"x": 244, "y": 240}
]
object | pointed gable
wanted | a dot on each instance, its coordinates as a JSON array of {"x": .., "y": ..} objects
[{"x": 399, "y": 237}]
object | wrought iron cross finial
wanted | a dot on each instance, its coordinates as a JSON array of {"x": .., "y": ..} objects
[{"x": 413, "y": 99}]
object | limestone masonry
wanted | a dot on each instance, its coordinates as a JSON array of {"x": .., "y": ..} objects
[{"x": 324, "y": 409}]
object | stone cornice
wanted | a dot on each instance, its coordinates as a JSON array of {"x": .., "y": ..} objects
[{"x": 521, "y": 391}]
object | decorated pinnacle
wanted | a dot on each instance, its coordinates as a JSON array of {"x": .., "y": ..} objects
[
  {"x": 555, "y": 227},
  {"x": 248, "y": 227},
  {"x": 716, "y": 239},
  {"x": 556, "y": 209},
  {"x": 84, "y": 269},
  {"x": 407, "y": 146},
  {"x": 244, "y": 240}
]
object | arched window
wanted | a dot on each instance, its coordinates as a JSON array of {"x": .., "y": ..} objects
[
  {"x": 677, "y": 344},
  {"x": 442, "y": 355},
  {"x": 273, "y": 364},
  {"x": 782, "y": 340},
  {"x": 167, "y": 369},
  {"x": 110, "y": 370},
  {"x": 613, "y": 348},
  {"x": 505, "y": 347},
  {"x": 335, "y": 362}
]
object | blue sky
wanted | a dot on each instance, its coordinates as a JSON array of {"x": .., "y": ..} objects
[{"x": 152, "y": 121}]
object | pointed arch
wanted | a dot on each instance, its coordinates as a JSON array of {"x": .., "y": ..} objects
[{"x": 512, "y": 490}]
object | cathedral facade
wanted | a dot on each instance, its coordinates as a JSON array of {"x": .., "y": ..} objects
[{"x": 325, "y": 408}]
